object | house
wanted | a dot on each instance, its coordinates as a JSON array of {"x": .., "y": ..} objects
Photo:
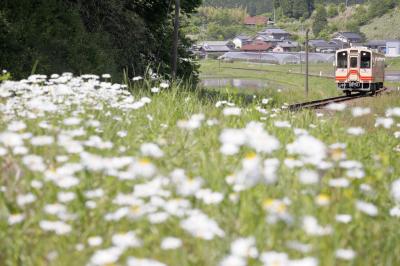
[
  {"x": 377, "y": 45},
  {"x": 214, "y": 48},
  {"x": 350, "y": 38},
  {"x": 275, "y": 33},
  {"x": 267, "y": 39},
  {"x": 240, "y": 40},
  {"x": 256, "y": 46},
  {"x": 322, "y": 46},
  {"x": 393, "y": 48},
  {"x": 287, "y": 46},
  {"x": 256, "y": 21},
  {"x": 340, "y": 44}
]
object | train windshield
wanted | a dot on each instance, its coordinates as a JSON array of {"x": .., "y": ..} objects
[
  {"x": 342, "y": 60},
  {"x": 365, "y": 60}
]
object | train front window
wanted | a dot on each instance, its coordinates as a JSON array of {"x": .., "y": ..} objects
[
  {"x": 365, "y": 60},
  {"x": 342, "y": 60},
  {"x": 353, "y": 62}
]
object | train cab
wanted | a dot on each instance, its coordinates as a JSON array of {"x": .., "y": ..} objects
[{"x": 359, "y": 69}]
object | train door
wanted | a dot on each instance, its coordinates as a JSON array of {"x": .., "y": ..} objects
[
  {"x": 353, "y": 70},
  {"x": 366, "y": 73},
  {"x": 341, "y": 68}
]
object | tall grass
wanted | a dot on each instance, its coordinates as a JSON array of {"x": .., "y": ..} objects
[{"x": 374, "y": 239}]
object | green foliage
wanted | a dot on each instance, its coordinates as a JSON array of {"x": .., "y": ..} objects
[
  {"x": 342, "y": 7},
  {"x": 380, "y": 7},
  {"x": 211, "y": 23},
  {"x": 222, "y": 16},
  {"x": 332, "y": 10},
  {"x": 94, "y": 36},
  {"x": 319, "y": 21},
  {"x": 254, "y": 7},
  {"x": 352, "y": 25},
  {"x": 361, "y": 15},
  {"x": 5, "y": 76}
]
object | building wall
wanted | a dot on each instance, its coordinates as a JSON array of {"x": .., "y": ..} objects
[
  {"x": 393, "y": 49},
  {"x": 237, "y": 42}
]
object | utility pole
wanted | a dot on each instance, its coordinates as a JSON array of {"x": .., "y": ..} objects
[
  {"x": 306, "y": 83},
  {"x": 176, "y": 39}
]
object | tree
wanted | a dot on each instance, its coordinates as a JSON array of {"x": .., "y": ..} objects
[
  {"x": 342, "y": 7},
  {"x": 94, "y": 36},
  {"x": 320, "y": 20},
  {"x": 332, "y": 10}
]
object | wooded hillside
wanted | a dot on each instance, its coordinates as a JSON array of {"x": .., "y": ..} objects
[{"x": 94, "y": 36}]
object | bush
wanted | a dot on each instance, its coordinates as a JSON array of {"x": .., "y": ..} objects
[
  {"x": 332, "y": 11},
  {"x": 342, "y": 7}
]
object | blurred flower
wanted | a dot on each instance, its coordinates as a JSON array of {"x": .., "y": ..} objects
[
  {"x": 395, "y": 190},
  {"x": 23, "y": 200},
  {"x": 309, "y": 148},
  {"x": 384, "y": 122},
  {"x": 360, "y": 111},
  {"x": 60, "y": 228},
  {"x": 15, "y": 218},
  {"x": 199, "y": 225},
  {"x": 308, "y": 177},
  {"x": 367, "y": 208},
  {"x": 171, "y": 243},
  {"x": 343, "y": 218},
  {"x": 106, "y": 256},
  {"x": 272, "y": 258},
  {"x": 311, "y": 227},
  {"x": 152, "y": 150},
  {"x": 356, "y": 131},
  {"x": 345, "y": 254},
  {"x": 126, "y": 240},
  {"x": 232, "y": 111},
  {"x": 143, "y": 262},
  {"x": 336, "y": 106},
  {"x": 95, "y": 241}
]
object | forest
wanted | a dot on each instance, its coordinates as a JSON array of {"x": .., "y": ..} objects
[
  {"x": 290, "y": 8},
  {"x": 96, "y": 36}
]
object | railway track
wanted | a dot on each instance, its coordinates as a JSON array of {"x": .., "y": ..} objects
[{"x": 324, "y": 102}]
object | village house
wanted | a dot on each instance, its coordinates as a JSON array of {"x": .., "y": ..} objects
[
  {"x": 267, "y": 39},
  {"x": 322, "y": 46},
  {"x": 275, "y": 34},
  {"x": 256, "y": 21},
  {"x": 240, "y": 40},
  {"x": 256, "y": 46},
  {"x": 348, "y": 38},
  {"x": 393, "y": 48},
  {"x": 377, "y": 45},
  {"x": 287, "y": 46},
  {"x": 214, "y": 49}
]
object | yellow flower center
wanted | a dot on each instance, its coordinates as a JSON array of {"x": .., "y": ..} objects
[{"x": 251, "y": 155}]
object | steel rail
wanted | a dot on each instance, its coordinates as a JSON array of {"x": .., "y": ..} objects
[{"x": 324, "y": 102}]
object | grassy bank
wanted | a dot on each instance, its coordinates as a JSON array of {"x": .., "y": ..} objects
[{"x": 81, "y": 184}]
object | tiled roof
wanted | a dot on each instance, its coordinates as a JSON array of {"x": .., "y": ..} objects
[
  {"x": 350, "y": 35},
  {"x": 274, "y": 31},
  {"x": 215, "y": 48},
  {"x": 257, "y": 20},
  {"x": 256, "y": 46}
]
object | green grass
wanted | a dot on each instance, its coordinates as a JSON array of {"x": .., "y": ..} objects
[
  {"x": 375, "y": 239},
  {"x": 283, "y": 77}
]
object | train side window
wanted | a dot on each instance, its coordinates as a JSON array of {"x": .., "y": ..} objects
[
  {"x": 365, "y": 60},
  {"x": 353, "y": 62},
  {"x": 342, "y": 60}
]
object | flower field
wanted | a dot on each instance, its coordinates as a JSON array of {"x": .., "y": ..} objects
[{"x": 96, "y": 173}]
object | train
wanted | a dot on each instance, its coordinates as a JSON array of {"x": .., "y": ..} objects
[{"x": 359, "y": 69}]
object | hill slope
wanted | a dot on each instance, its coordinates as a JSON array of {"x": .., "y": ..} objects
[{"x": 384, "y": 27}]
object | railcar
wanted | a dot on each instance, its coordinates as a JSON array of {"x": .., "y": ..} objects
[{"x": 359, "y": 69}]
